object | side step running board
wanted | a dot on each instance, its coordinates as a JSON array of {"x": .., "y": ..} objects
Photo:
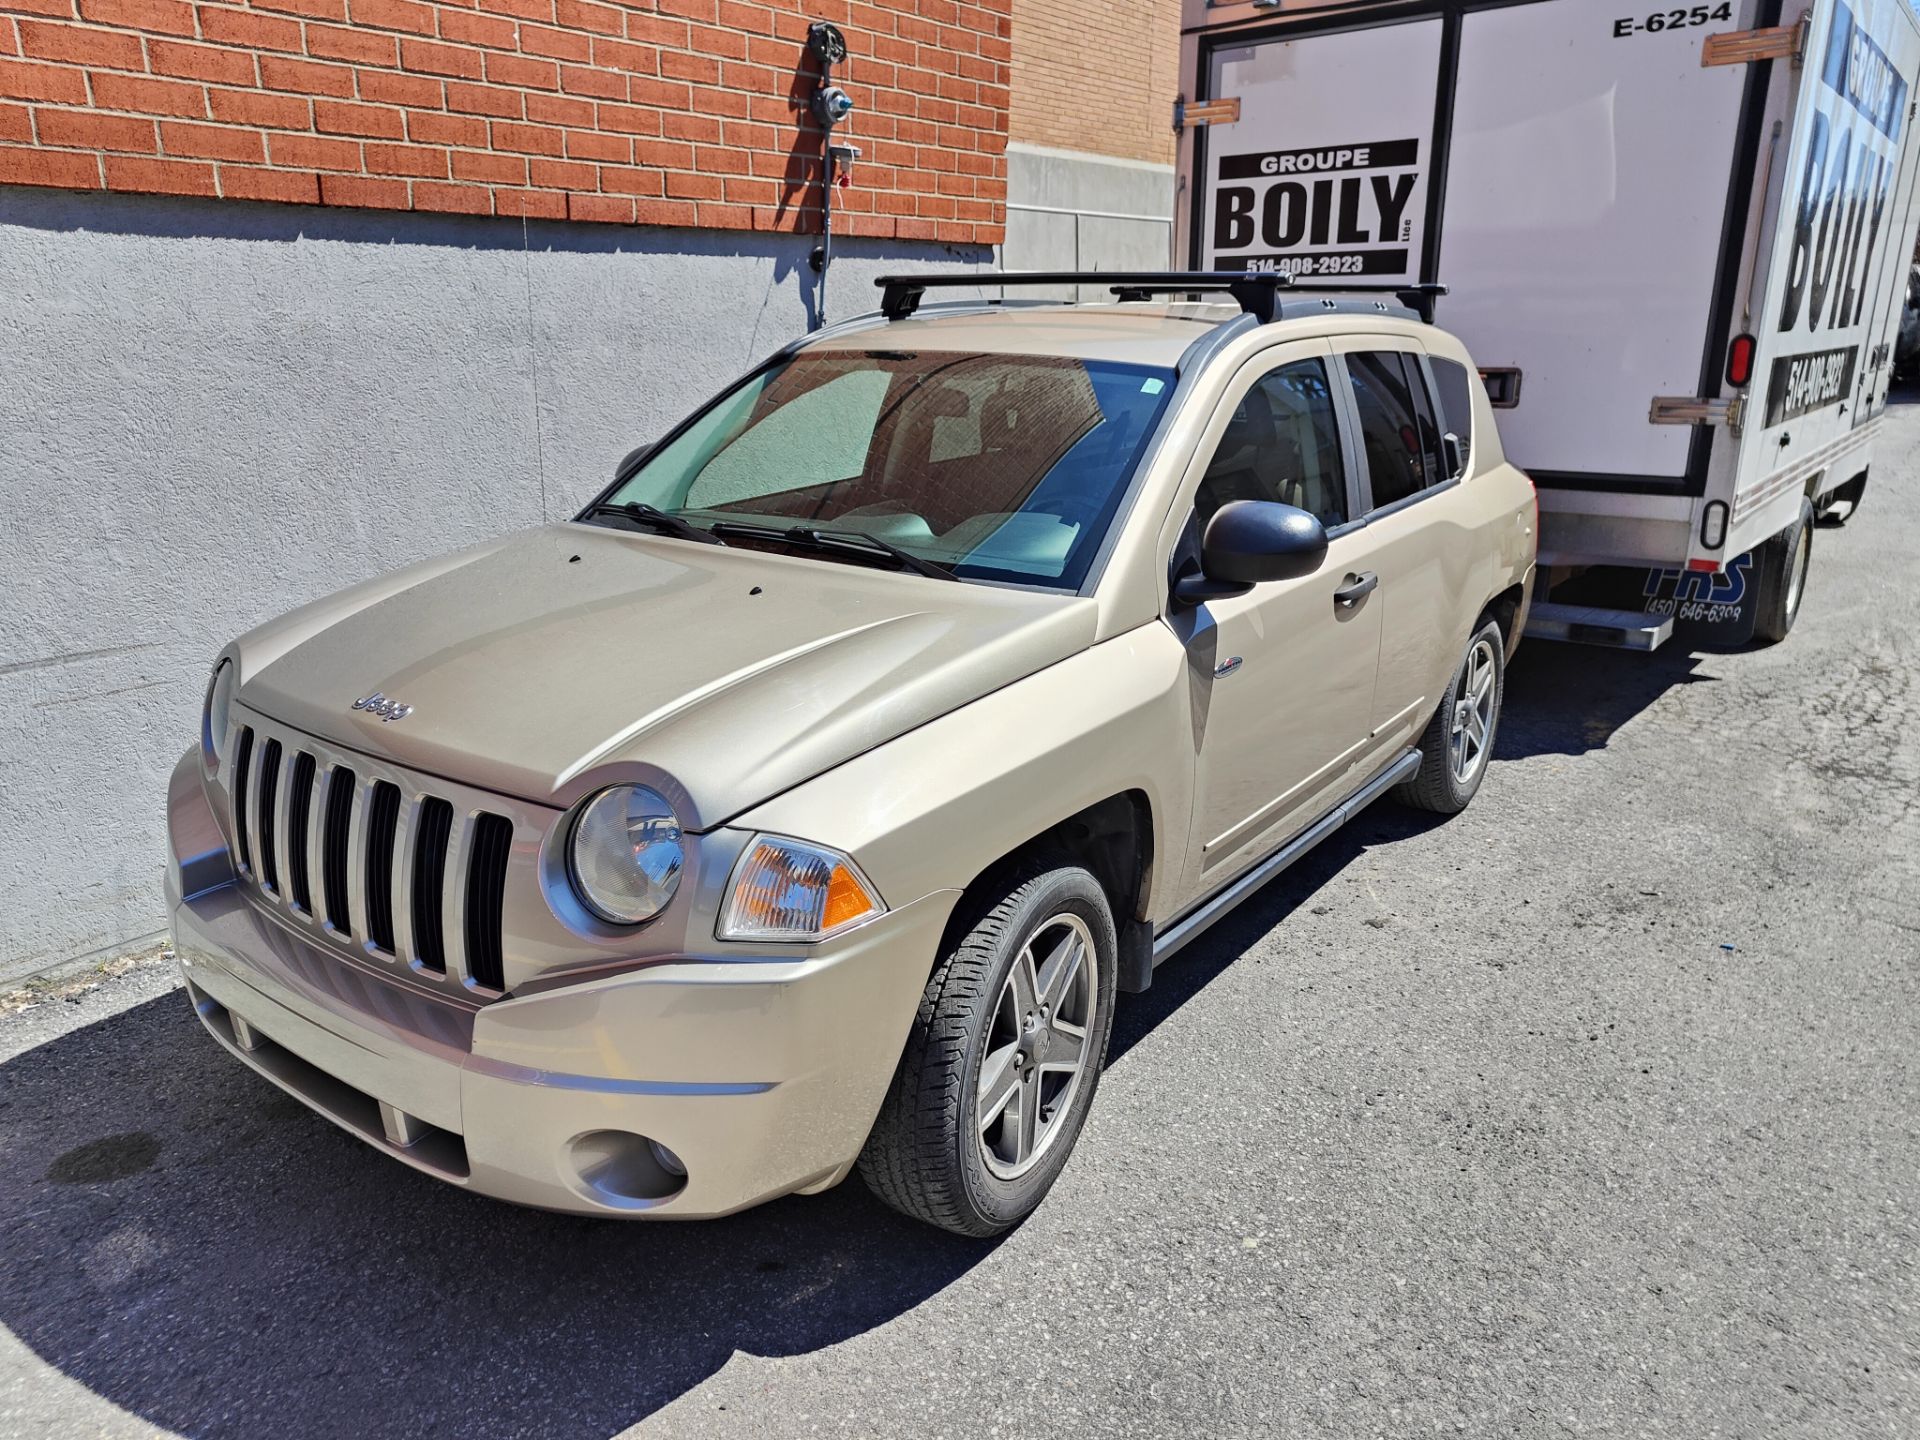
[
  {"x": 1585, "y": 625},
  {"x": 1196, "y": 920}
]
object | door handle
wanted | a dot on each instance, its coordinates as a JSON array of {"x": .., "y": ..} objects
[{"x": 1357, "y": 588}]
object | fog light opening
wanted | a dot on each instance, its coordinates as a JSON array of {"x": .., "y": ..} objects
[{"x": 625, "y": 1170}]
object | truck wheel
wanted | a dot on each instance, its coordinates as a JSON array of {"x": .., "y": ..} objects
[
  {"x": 1782, "y": 563},
  {"x": 1002, "y": 1061},
  {"x": 1459, "y": 739}
]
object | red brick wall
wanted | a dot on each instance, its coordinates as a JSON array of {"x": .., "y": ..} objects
[
  {"x": 1096, "y": 75},
  {"x": 667, "y": 112}
]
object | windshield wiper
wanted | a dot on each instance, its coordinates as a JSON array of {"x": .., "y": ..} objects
[
  {"x": 649, "y": 517},
  {"x": 851, "y": 542}
]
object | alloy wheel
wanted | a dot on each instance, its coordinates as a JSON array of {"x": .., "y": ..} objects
[
  {"x": 1472, "y": 713},
  {"x": 1037, "y": 1046}
]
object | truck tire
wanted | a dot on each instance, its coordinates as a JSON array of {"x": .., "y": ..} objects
[
  {"x": 1458, "y": 741},
  {"x": 1003, "y": 1058},
  {"x": 1839, "y": 506},
  {"x": 1782, "y": 564}
]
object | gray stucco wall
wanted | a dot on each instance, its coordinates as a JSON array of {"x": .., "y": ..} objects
[
  {"x": 211, "y": 412},
  {"x": 1071, "y": 211}
]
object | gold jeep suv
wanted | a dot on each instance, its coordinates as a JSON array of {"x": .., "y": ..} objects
[{"x": 806, "y": 802}]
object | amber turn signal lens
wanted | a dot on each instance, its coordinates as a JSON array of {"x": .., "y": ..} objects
[
  {"x": 790, "y": 890},
  {"x": 846, "y": 900}
]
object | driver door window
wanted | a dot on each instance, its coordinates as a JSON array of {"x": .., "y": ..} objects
[{"x": 1281, "y": 443}]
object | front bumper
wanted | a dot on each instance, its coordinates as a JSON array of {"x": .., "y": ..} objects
[{"x": 762, "y": 1076}]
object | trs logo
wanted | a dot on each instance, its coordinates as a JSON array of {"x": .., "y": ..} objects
[{"x": 1688, "y": 586}]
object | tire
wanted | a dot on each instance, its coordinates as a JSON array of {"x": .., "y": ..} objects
[
  {"x": 928, "y": 1155},
  {"x": 1783, "y": 563},
  {"x": 1445, "y": 783}
]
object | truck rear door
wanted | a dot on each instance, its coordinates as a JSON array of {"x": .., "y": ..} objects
[
  {"x": 1570, "y": 170},
  {"x": 1839, "y": 259}
]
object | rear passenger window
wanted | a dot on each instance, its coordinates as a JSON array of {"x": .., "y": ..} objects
[
  {"x": 1283, "y": 443},
  {"x": 1456, "y": 402},
  {"x": 1434, "y": 457},
  {"x": 1397, "y": 427}
]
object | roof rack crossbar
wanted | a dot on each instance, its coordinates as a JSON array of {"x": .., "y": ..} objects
[{"x": 1253, "y": 290}]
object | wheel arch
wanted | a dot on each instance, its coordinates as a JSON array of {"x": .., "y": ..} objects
[
  {"x": 1113, "y": 839},
  {"x": 1505, "y": 608}
]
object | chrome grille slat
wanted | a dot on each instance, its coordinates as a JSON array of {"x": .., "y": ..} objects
[
  {"x": 401, "y": 868},
  {"x": 357, "y": 862},
  {"x": 453, "y": 903},
  {"x": 317, "y": 840},
  {"x": 370, "y": 859}
]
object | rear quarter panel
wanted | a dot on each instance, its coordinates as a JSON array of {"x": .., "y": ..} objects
[{"x": 1503, "y": 499}]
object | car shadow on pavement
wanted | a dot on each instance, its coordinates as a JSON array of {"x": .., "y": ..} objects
[
  {"x": 1186, "y": 974},
  {"x": 205, "y": 1253},
  {"x": 1568, "y": 699}
]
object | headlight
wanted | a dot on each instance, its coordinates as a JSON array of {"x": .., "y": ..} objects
[
  {"x": 789, "y": 890},
  {"x": 217, "y": 718},
  {"x": 627, "y": 854}
]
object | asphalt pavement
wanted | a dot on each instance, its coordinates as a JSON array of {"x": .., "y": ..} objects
[{"x": 1593, "y": 1111}]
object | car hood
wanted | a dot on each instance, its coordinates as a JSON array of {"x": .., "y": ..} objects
[{"x": 575, "y": 656}]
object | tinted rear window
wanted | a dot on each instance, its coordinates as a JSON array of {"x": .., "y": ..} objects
[
  {"x": 1456, "y": 401},
  {"x": 1395, "y": 427}
]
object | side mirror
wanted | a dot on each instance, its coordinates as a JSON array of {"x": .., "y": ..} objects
[
  {"x": 1250, "y": 541},
  {"x": 631, "y": 460}
]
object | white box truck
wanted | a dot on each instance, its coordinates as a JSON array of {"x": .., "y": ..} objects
[{"x": 1678, "y": 239}]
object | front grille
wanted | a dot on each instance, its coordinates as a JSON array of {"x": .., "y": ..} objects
[{"x": 401, "y": 877}]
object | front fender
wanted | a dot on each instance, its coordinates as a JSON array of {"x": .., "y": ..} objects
[{"x": 934, "y": 808}]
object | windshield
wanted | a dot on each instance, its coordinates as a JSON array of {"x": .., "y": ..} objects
[{"x": 995, "y": 467}]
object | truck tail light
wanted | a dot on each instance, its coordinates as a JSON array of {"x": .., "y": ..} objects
[{"x": 1740, "y": 361}]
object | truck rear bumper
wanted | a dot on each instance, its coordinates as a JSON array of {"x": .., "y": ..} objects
[{"x": 1600, "y": 527}]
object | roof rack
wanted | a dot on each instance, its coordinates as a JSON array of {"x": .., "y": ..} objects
[{"x": 1255, "y": 291}]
